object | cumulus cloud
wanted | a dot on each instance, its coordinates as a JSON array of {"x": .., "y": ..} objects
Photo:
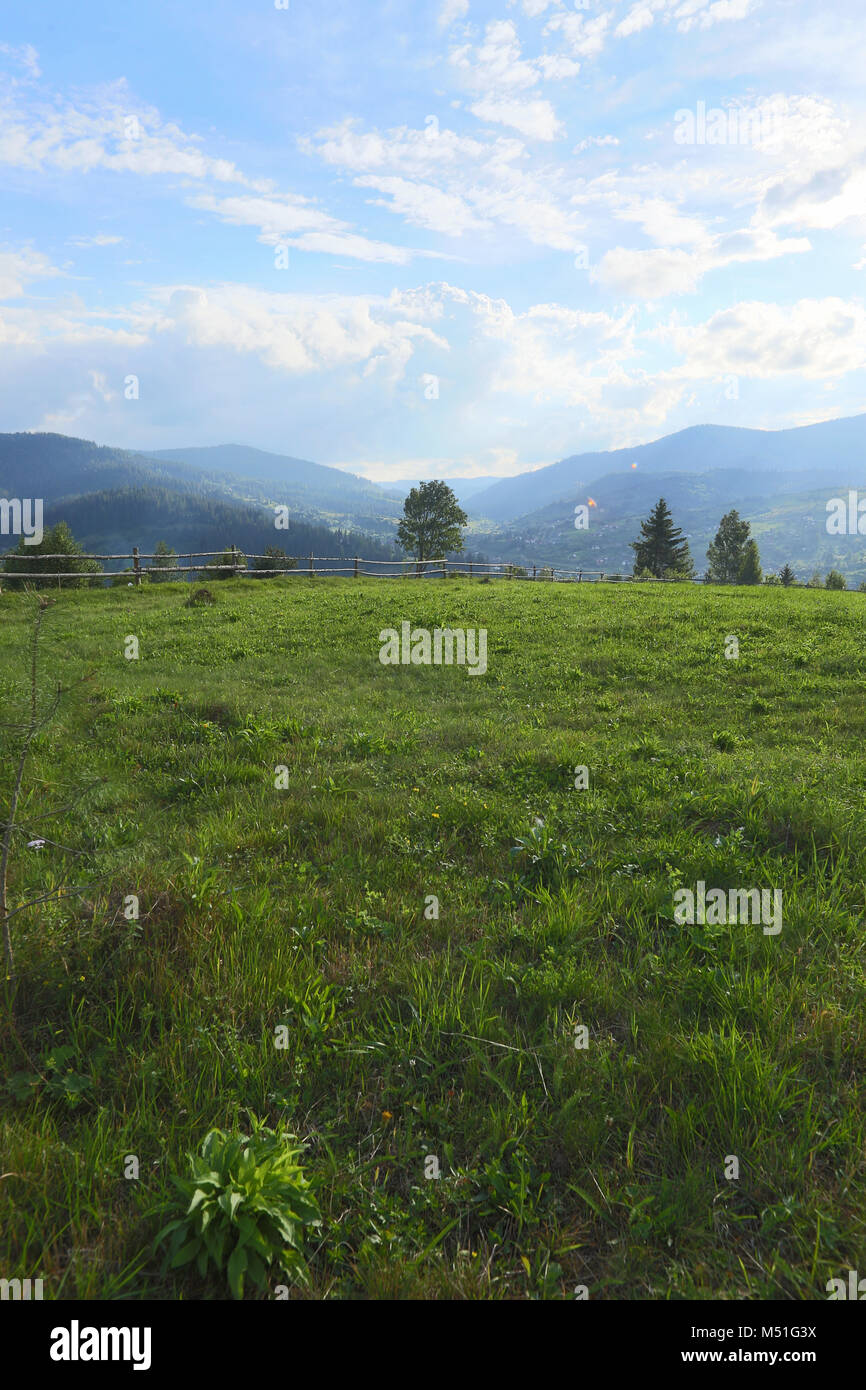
[
  {"x": 654, "y": 273},
  {"x": 497, "y": 71},
  {"x": 812, "y": 338}
]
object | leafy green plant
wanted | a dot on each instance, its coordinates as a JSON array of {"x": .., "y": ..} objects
[
  {"x": 543, "y": 861},
  {"x": 247, "y": 1203}
]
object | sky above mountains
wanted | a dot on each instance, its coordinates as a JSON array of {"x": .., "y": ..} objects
[{"x": 430, "y": 239}]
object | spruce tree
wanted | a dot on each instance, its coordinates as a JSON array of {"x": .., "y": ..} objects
[
  {"x": 787, "y": 576},
  {"x": 662, "y": 548}
]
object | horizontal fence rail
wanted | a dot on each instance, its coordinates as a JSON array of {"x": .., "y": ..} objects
[{"x": 305, "y": 566}]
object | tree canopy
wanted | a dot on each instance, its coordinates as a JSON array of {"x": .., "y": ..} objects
[
  {"x": 431, "y": 521},
  {"x": 57, "y": 541},
  {"x": 727, "y": 552}
]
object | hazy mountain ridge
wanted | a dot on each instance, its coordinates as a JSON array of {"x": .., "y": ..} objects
[
  {"x": 779, "y": 481},
  {"x": 291, "y": 480},
  {"x": 833, "y": 451}
]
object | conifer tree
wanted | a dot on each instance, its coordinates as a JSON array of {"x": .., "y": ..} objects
[{"x": 662, "y": 549}]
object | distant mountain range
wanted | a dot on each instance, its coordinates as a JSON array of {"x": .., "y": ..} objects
[
  {"x": 780, "y": 481},
  {"x": 833, "y": 452},
  {"x": 200, "y": 498},
  {"x": 296, "y": 483},
  {"x": 113, "y": 499},
  {"x": 464, "y": 489}
]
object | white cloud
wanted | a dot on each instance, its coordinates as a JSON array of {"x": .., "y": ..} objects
[
  {"x": 18, "y": 268},
  {"x": 593, "y": 140},
  {"x": 451, "y": 11},
  {"x": 108, "y": 130},
  {"x": 488, "y": 176},
  {"x": 424, "y": 205},
  {"x": 296, "y": 333},
  {"x": 658, "y": 272},
  {"x": 300, "y": 224},
  {"x": 585, "y": 37},
  {"x": 555, "y": 66},
  {"x": 25, "y": 55},
  {"x": 697, "y": 13},
  {"x": 100, "y": 239},
  {"x": 537, "y": 120},
  {"x": 813, "y": 338},
  {"x": 533, "y": 8},
  {"x": 638, "y": 18},
  {"x": 495, "y": 65},
  {"x": 499, "y": 74}
]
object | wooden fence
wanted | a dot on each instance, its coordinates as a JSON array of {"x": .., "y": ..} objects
[{"x": 305, "y": 567}]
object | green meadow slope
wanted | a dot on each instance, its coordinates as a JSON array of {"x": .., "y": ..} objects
[{"x": 412, "y": 1037}]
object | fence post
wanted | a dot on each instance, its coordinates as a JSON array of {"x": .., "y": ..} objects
[
  {"x": 470, "y": 569},
  {"x": 533, "y": 571},
  {"x": 443, "y": 570},
  {"x": 136, "y": 564},
  {"x": 601, "y": 577},
  {"x": 234, "y": 561},
  {"x": 356, "y": 568},
  {"x": 579, "y": 575},
  {"x": 311, "y": 564}
]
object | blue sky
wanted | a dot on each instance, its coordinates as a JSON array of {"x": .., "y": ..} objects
[{"x": 427, "y": 239}]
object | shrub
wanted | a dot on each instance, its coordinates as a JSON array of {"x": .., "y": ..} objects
[
  {"x": 273, "y": 559},
  {"x": 246, "y": 1204},
  {"x": 834, "y": 580},
  {"x": 226, "y": 566},
  {"x": 57, "y": 541}
]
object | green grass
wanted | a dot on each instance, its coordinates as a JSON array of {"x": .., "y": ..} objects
[{"x": 410, "y": 1037}]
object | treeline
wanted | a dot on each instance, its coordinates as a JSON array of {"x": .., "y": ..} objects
[
  {"x": 255, "y": 535},
  {"x": 114, "y": 521},
  {"x": 144, "y": 515},
  {"x": 662, "y": 552}
]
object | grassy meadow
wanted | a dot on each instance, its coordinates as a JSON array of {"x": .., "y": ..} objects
[{"x": 412, "y": 1036}]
